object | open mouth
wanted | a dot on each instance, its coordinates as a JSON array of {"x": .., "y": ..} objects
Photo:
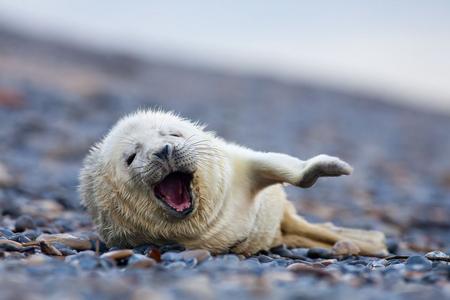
[{"x": 174, "y": 191}]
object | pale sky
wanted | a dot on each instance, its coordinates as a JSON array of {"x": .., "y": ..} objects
[{"x": 391, "y": 47}]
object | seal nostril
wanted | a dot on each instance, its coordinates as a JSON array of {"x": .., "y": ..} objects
[{"x": 165, "y": 152}]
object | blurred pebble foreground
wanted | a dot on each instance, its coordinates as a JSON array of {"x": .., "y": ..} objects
[{"x": 57, "y": 99}]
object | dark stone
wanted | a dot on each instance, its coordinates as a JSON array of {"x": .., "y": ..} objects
[
  {"x": 172, "y": 248},
  {"x": 392, "y": 245},
  {"x": 264, "y": 258},
  {"x": 24, "y": 222},
  {"x": 319, "y": 253}
]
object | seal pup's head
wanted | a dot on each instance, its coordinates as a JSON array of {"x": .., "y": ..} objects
[{"x": 155, "y": 176}]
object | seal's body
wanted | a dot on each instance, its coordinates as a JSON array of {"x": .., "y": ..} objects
[{"x": 158, "y": 178}]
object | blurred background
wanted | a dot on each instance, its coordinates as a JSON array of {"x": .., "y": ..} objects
[{"x": 365, "y": 81}]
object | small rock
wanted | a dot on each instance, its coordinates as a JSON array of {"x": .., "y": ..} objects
[
  {"x": 319, "y": 253},
  {"x": 300, "y": 252},
  {"x": 139, "y": 261},
  {"x": 281, "y": 250},
  {"x": 118, "y": 254},
  {"x": 6, "y": 233},
  {"x": 172, "y": 248},
  {"x": 436, "y": 254},
  {"x": 170, "y": 256},
  {"x": 200, "y": 255},
  {"x": 264, "y": 258},
  {"x": 9, "y": 245},
  {"x": 392, "y": 245},
  {"x": 379, "y": 264},
  {"x": 69, "y": 240},
  {"x": 418, "y": 263},
  {"x": 86, "y": 260},
  {"x": 24, "y": 222},
  {"x": 176, "y": 265},
  {"x": 345, "y": 248},
  {"x": 154, "y": 254},
  {"x": 20, "y": 238},
  {"x": 49, "y": 249}
]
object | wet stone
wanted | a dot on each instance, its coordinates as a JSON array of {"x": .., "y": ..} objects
[
  {"x": 418, "y": 263},
  {"x": 24, "y": 222}
]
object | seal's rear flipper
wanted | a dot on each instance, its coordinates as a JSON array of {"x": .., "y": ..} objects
[{"x": 297, "y": 232}]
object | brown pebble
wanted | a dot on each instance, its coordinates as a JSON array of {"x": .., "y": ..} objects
[
  {"x": 138, "y": 261},
  {"x": 118, "y": 254},
  {"x": 302, "y": 268},
  {"x": 298, "y": 267},
  {"x": 345, "y": 248},
  {"x": 49, "y": 249},
  {"x": 69, "y": 240},
  {"x": 10, "y": 245},
  {"x": 154, "y": 254},
  {"x": 327, "y": 262},
  {"x": 199, "y": 254}
]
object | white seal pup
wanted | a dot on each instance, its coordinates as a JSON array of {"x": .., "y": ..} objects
[{"x": 159, "y": 178}]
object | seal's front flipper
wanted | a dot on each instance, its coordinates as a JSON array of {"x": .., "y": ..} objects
[{"x": 322, "y": 166}]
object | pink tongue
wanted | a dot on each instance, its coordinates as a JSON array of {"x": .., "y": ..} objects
[{"x": 173, "y": 191}]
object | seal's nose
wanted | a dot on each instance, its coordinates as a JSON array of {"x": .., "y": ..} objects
[{"x": 165, "y": 152}]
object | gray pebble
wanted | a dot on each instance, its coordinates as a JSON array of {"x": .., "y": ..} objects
[
  {"x": 418, "y": 263},
  {"x": 436, "y": 254}
]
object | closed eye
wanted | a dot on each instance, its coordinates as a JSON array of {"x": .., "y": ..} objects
[
  {"x": 175, "y": 134},
  {"x": 130, "y": 159}
]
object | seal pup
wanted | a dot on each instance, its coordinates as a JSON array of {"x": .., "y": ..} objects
[{"x": 159, "y": 178}]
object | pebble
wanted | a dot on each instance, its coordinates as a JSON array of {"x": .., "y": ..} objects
[
  {"x": 319, "y": 253},
  {"x": 436, "y": 254},
  {"x": 281, "y": 250},
  {"x": 200, "y": 255},
  {"x": 69, "y": 240},
  {"x": 6, "y": 233},
  {"x": 48, "y": 249},
  {"x": 176, "y": 265},
  {"x": 118, "y": 254},
  {"x": 139, "y": 261},
  {"x": 172, "y": 248},
  {"x": 9, "y": 245},
  {"x": 418, "y": 263},
  {"x": 23, "y": 223},
  {"x": 345, "y": 248}
]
